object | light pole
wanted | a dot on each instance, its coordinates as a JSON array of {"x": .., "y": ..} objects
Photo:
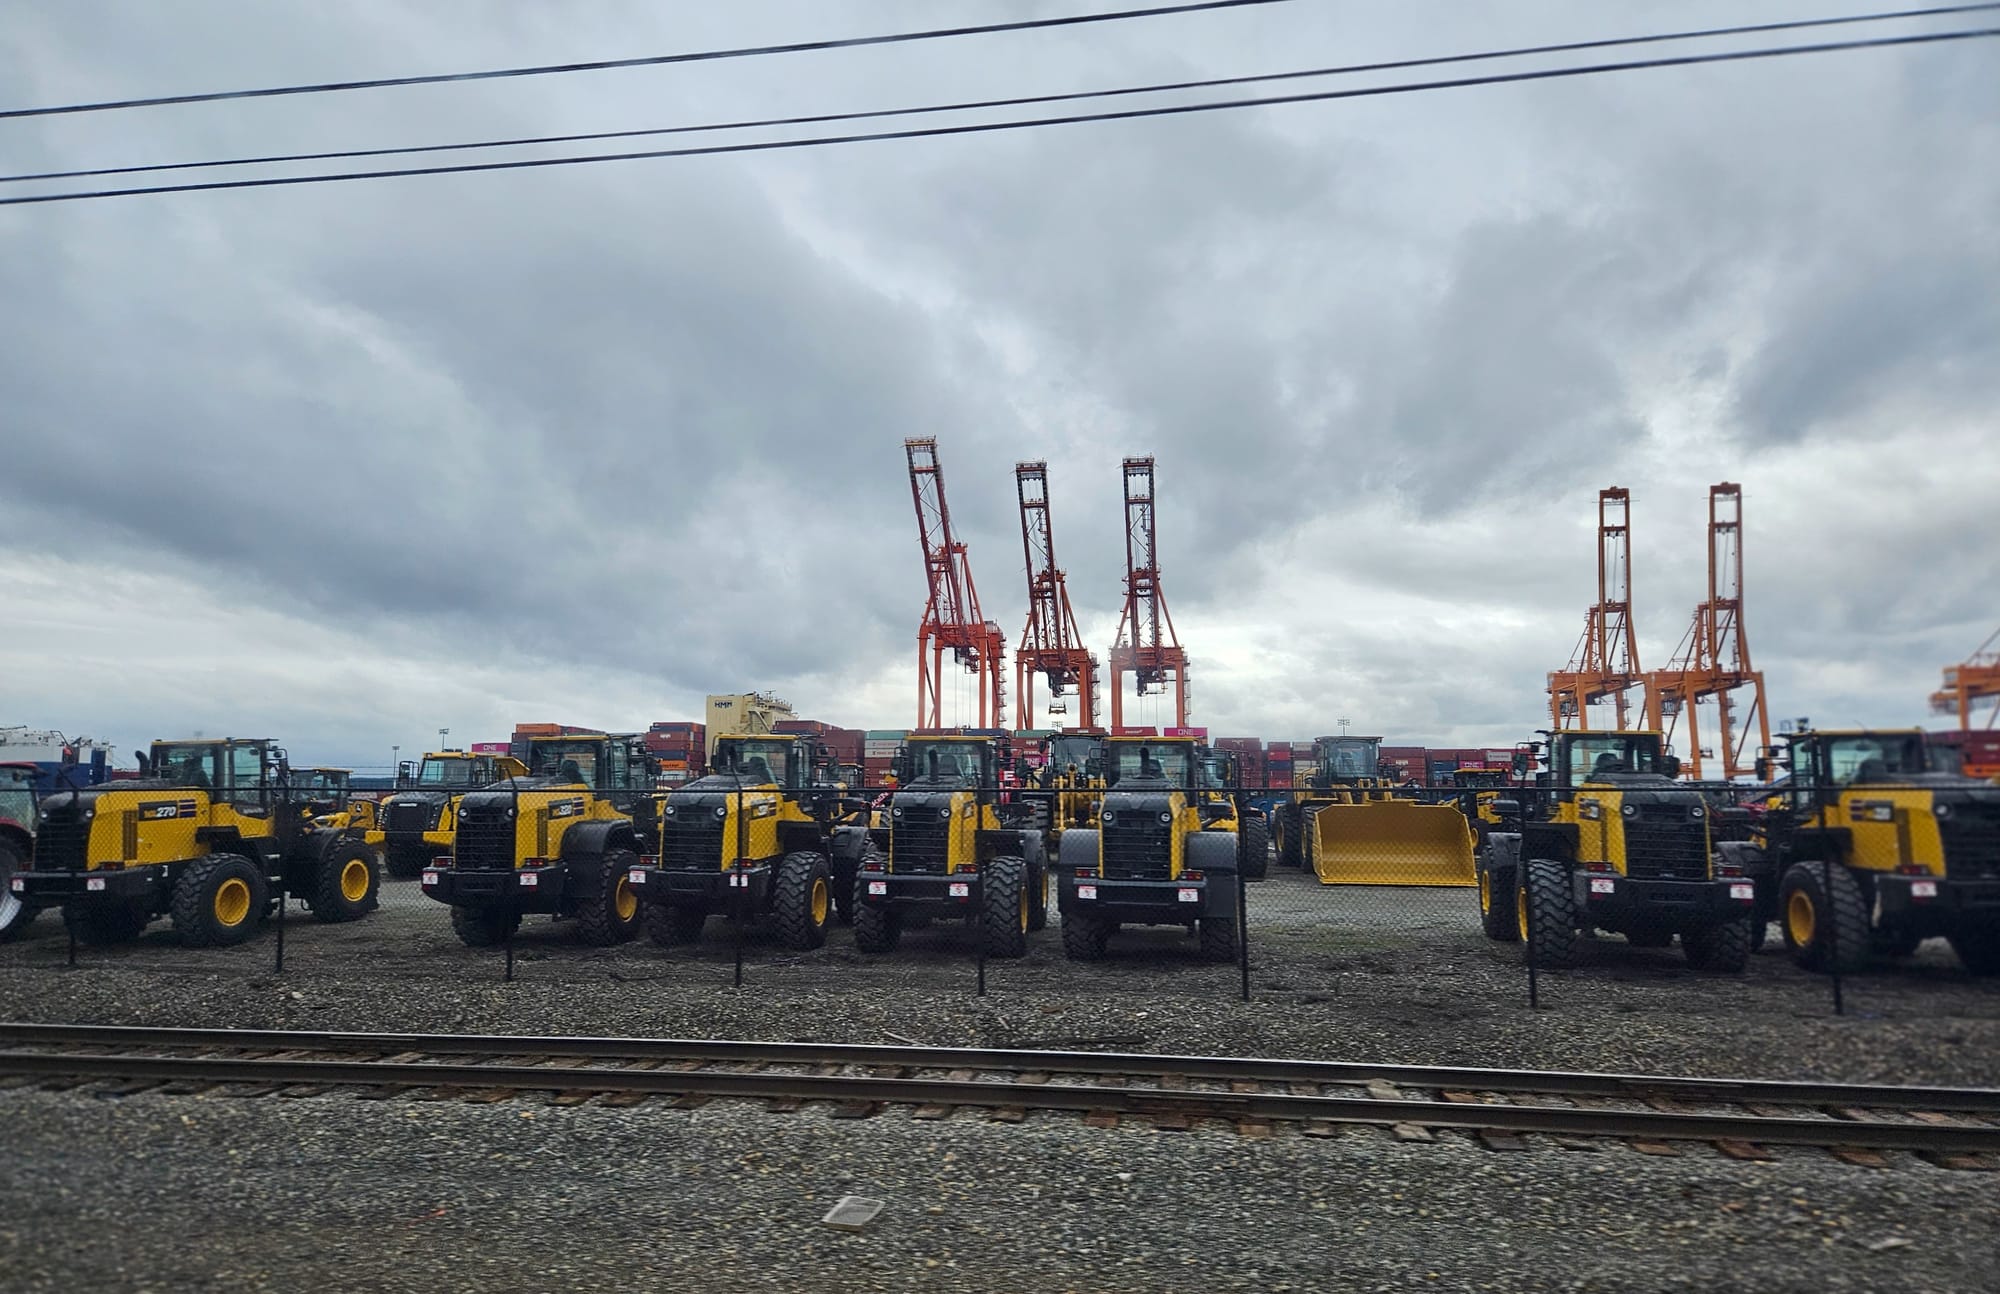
[{"x": 442, "y": 734}]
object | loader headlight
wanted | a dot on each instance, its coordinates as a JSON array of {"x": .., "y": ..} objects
[
  {"x": 1941, "y": 810},
  {"x": 1697, "y": 812},
  {"x": 895, "y": 813},
  {"x": 1165, "y": 816},
  {"x": 1109, "y": 816},
  {"x": 666, "y": 810},
  {"x": 1630, "y": 810},
  {"x": 721, "y": 810},
  {"x": 944, "y": 814}
]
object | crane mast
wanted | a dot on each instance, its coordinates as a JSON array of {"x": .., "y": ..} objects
[
  {"x": 1146, "y": 646},
  {"x": 1970, "y": 684},
  {"x": 952, "y": 621},
  {"x": 1605, "y": 666},
  {"x": 1713, "y": 660},
  {"x": 1050, "y": 646}
]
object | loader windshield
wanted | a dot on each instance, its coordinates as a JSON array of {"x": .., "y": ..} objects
[
  {"x": 569, "y": 761},
  {"x": 961, "y": 763},
  {"x": 1083, "y": 754},
  {"x": 1876, "y": 757},
  {"x": 1596, "y": 755},
  {"x": 760, "y": 762},
  {"x": 1352, "y": 758},
  {"x": 188, "y": 764},
  {"x": 17, "y": 795},
  {"x": 1150, "y": 761},
  {"x": 443, "y": 773}
]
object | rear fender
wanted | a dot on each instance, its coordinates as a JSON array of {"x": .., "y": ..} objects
[
  {"x": 1213, "y": 853},
  {"x": 1077, "y": 851},
  {"x": 595, "y": 838}
]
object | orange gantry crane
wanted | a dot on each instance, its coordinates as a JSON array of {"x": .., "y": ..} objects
[
  {"x": 1050, "y": 647},
  {"x": 952, "y": 620},
  {"x": 1713, "y": 661},
  {"x": 1970, "y": 684},
  {"x": 1605, "y": 666},
  {"x": 1146, "y": 646}
]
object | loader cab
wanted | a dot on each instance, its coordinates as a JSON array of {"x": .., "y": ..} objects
[
  {"x": 612, "y": 765},
  {"x": 17, "y": 795},
  {"x": 940, "y": 763},
  {"x": 1347, "y": 761},
  {"x": 1580, "y": 758},
  {"x": 1164, "y": 761},
  {"x": 454, "y": 770},
  {"x": 325, "y": 789},
  {"x": 1073, "y": 758},
  {"x": 242, "y": 774}
]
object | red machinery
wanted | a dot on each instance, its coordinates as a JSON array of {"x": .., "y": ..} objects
[
  {"x": 1050, "y": 643},
  {"x": 1146, "y": 646},
  {"x": 952, "y": 619},
  {"x": 1970, "y": 684},
  {"x": 1605, "y": 666},
  {"x": 1714, "y": 657}
]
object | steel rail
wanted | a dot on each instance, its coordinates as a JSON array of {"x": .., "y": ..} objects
[
  {"x": 1975, "y": 1100},
  {"x": 877, "y": 1090}
]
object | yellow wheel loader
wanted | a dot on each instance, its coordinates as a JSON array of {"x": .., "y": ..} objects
[
  {"x": 1608, "y": 840},
  {"x": 210, "y": 835},
  {"x": 760, "y": 837},
  {"x": 1864, "y": 851},
  {"x": 561, "y": 840},
  {"x": 1162, "y": 854},
  {"x": 1350, "y": 828},
  {"x": 957, "y": 847},
  {"x": 417, "y": 823}
]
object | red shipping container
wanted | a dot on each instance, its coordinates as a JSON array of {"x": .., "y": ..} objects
[
  {"x": 1199, "y": 734},
  {"x": 1134, "y": 732}
]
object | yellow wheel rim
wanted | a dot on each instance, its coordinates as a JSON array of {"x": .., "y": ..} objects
[
  {"x": 821, "y": 896},
  {"x": 1485, "y": 894},
  {"x": 232, "y": 902},
  {"x": 1521, "y": 905},
  {"x": 1024, "y": 907},
  {"x": 1800, "y": 919},
  {"x": 623, "y": 901},
  {"x": 354, "y": 880}
]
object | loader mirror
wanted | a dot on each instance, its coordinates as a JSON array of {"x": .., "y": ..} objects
[
  {"x": 1763, "y": 769},
  {"x": 1670, "y": 765}
]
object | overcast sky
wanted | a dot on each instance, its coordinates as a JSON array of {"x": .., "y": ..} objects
[{"x": 347, "y": 464}]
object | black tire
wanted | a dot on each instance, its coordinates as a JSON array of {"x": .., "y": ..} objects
[
  {"x": 802, "y": 900},
  {"x": 1549, "y": 904},
  {"x": 1085, "y": 936},
  {"x": 608, "y": 911},
  {"x": 1218, "y": 937},
  {"x": 844, "y": 877},
  {"x": 1291, "y": 852},
  {"x": 15, "y": 915},
  {"x": 1760, "y": 929},
  {"x": 1005, "y": 907},
  {"x": 484, "y": 927},
  {"x": 667, "y": 924},
  {"x": 1497, "y": 914},
  {"x": 346, "y": 882},
  {"x": 1038, "y": 898},
  {"x": 876, "y": 929},
  {"x": 219, "y": 900},
  {"x": 1724, "y": 947},
  {"x": 1253, "y": 847},
  {"x": 102, "y": 924},
  {"x": 1978, "y": 947},
  {"x": 1824, "y": 917},
  {"x": 406, "y": 861}
]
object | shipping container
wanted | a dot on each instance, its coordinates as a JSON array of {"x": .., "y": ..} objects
[
  {"x": 886, "y": 734},
  {"x": 1239, "y": 744},
  {"x": 1134, "y": 732},
  {"x": 1199, "y": 734},
  {"x": 491, "y": 747},
  {"x": 537, "y": 729}
]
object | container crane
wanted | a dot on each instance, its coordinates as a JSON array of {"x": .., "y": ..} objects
[
  {"x": 1605, "y": 666},
  {"x": 1050, "y": 643},
  {"x": 952, "y": 620},
  {"x": 1714, "y": 657},
  {"x": 1146, "y": 646},
  {"x": 1970, "y": 684}
]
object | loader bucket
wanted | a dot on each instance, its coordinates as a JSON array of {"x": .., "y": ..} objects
[{"x": 1392, "y": 842}]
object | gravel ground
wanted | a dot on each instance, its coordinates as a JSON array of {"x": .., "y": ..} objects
[
  {"x": 341, "y": 1193},
  {"x": 351, "y": 1194},
  {"x": 1337, "y": 972}
]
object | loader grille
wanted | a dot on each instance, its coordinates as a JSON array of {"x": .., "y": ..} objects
[
  {"x": 414, "y": 818},
  {"x": 917, "y": 846},
  {"x": 1137, "y": 853},
  {"x": 1666, "y": 850},
  {"x": 485, "y": 842},
  {"x": 1971, "y": 839},
  {"x": 691, "y": 846},
  {"x": 62, "y": 842}
]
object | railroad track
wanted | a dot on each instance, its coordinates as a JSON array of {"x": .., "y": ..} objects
[{"x": 1953, "y": 1127}]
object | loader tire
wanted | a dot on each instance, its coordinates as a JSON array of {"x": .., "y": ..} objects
[
  {"x": 1218, "y": 937},
  {"x": 876, "y": 929},
  {"x": 100, "y": 925},
  {"x": 1005, "y": 907},
  {"x": 484, "y": 927},
  {"x": 1978, "y": 947},
  {"x": 1724, "y": 947},
  {"x": 667, "y": 924},
  {"x": 1546, "y": 907},
  {"x": 1291, "y": 851},
  {"x": 802, "y": 900},
  {"x": 345, "y": 882},
  {"x": 1824, "y": 917},
  {"x": 14, "y": 914},
  {"x": 1253, "y": 848},
  {"x": 1038, "y": 898},
  {"x": 608, "y": 911},
  {"x": 1497, "y": 886},
  {"x": 219, "y": 900},
  {"x": 406, "y": 861},
  {"x": 1085, "y": 936}
]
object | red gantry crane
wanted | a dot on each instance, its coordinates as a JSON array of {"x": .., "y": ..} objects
[
  {"x": 952, "y": 620},
  {"x": 1146, "y": 646},
  {"x": 1714, "y": 657},
  {"x": 1970, "y": 684},
  {"x": 1606, "y": 664},
  {"x": 1050, "y": 643}
]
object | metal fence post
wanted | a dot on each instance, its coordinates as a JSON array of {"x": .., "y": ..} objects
[
  {"x": 978, "y": 926},
  {"x": 283, "y": 896},
  {"x": 1833, "y": 938},
  {"x": 1527, "y": 901},
  {"x": 1242, "y": 923},
  {"x": 508, "y": 944}
]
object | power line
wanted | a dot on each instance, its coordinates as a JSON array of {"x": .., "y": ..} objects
[
  {"x": 817, "y": 119},
  {"x": 978, "y": 128},
  {"x": 653, "y": 60}
]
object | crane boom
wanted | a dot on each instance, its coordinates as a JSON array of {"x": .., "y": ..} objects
[
  {"x": 1050, "y": 647},
  {"x": 1146, "y": 646},
  {"x": 952, "y": 620}
]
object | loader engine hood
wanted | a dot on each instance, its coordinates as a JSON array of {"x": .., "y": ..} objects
[
  {"x": 501, "y": 795},
  {"x": 1134, "y": 808},
  {"x": 919, "y": 806}
]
